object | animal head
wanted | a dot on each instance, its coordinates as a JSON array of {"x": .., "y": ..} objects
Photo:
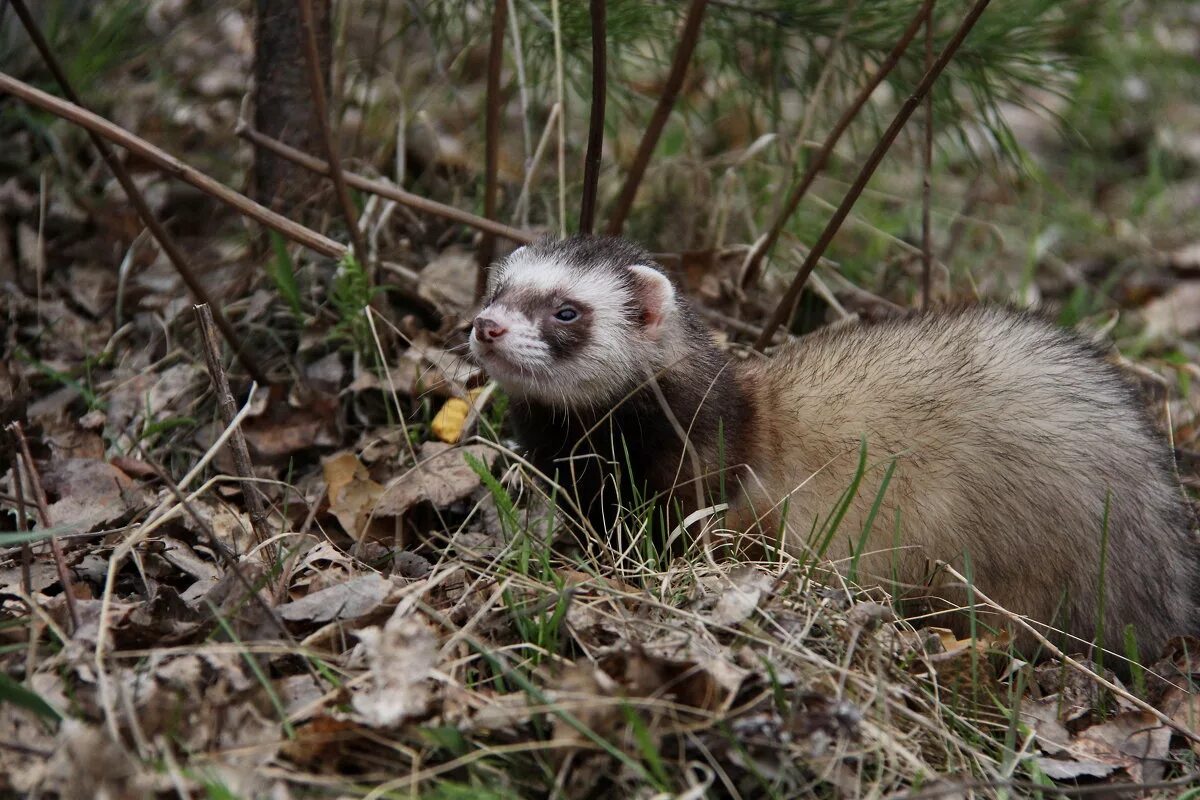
[{"x": 577, "y": 322}]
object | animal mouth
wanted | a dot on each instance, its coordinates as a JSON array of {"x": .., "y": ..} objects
[{"x": 495, "y": 360}]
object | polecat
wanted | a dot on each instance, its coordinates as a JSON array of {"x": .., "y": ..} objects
[{"x": 1020, "y": 453}]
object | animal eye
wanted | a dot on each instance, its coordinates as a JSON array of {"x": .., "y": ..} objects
[{"x": 566, "y": 314}]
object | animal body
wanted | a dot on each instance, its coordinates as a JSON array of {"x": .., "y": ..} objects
[{"x": 1020, "y": 454}]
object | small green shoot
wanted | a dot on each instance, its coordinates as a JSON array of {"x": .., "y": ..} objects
[
  {"x": 866, "y": 531},
  {"x": 350, "y": 295},
  {"x": 18, "y": 695},
  {"x": 282, "y": 269},
  {"x": 647, "y": 747}
]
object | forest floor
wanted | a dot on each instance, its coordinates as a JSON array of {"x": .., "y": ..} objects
[{"x": 396, "y": 622}]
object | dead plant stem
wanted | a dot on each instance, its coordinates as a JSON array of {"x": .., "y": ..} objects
[
  {"x": 237, "y": 442},
  {"x": 658, "y": 119},
  {"x": 172, "y": 166},
  {"x": 1054, "y": 652},
  {"x": 595, "y": 142},
  {"x": 316, "y": 83},
  {"x": 386, "y": 190},
  {"x": 39, "y": 497},
  {"x": 23, "y": 527}
]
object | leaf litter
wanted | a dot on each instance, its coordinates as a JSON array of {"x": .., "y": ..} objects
[{"x": 413, "y": 625}]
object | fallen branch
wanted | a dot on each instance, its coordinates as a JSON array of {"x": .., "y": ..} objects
[
  {"x": 868, "y": 169},
  {"x": 171, "y": 165},
  {"x": 172, "y": 251},
  {"x": 386, "y": 190}
]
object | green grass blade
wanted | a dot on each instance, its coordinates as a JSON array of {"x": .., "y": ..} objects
[{"x": 18, "y": 695}]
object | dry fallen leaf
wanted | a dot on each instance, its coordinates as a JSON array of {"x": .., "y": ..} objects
[
  {"x": 1177, "y": 313},
  {"x": 352, "y": 494},
  {"x": 283, "y": 429},
  {"x": 442, "y": 477},
  {"x": 741, "y": 592},
  {"x": 448, "y": 281},
  {"x": 1042, "y": 716},
  {"x": 89, "y": 493},
  {"x": 401, "y": 656},
  {"x": 343, "y": 601}
]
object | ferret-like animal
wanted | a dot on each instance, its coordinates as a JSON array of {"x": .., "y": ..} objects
[{"x": 1020, "y": 453}]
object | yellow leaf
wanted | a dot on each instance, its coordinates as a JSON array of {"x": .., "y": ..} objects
[{"x": 448, "y": 423}]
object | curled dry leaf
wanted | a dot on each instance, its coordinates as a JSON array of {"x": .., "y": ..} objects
[
  {"x": 964, "y": 666},
  {"x": 448, "y": 281},
  {"x": 1042, "y": 716},
  {"x": 352, "y": 494},
  {"x": 400, "y": 656},
  {"x": 741, "y": 592},
  {"x": 89, "y": 493},
  {"x": 1177, "y": 313},
  {"x": 344, "y": 601},
  {"x": 442, "y": 477}
]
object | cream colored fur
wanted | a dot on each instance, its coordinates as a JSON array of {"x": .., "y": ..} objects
[{"x": 1008, "y": 435}]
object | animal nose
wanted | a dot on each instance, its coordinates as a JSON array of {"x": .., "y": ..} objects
[{"x": 488, "y": 330}]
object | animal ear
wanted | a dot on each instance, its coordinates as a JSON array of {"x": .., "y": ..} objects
[{"x": 655, "y": 295}]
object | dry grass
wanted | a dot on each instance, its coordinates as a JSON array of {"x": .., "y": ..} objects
[{"x": 411, "y": 623}]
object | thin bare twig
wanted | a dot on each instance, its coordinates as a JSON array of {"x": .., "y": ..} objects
[
  {"x": 560, "y": 99},
  {"x": 821, "y": 158},
  {"x": 927, "y": 180},
  {"x": 228, "y": 407},
  {"x": 658, "y": 120},
  {"x": 387, "y": 190},
  {"x": 868, "y": 169},
  {"x": 39, "y": 497},
  {"x": 138, "y": 201},
  {"x": 171, "y": 165},
  {"x": 23, "y": 527},
  {"x": 487, "y": 245},
  {"x": 595, "y": 142},
  {"x": 316, "y": 83}
]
